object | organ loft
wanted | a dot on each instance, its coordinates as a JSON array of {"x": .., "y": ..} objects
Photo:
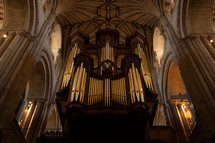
[
  {"x": 106, "y": 97},
  {"x": 107, "y": 71}
]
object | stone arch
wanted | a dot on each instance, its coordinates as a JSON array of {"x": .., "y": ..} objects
[
  {"x": 180, "y": 111},
  {"x": 199, "y": 16},
  {"x": 39, "y": 91},
  {"x": 175, "y": 82},
  {"x": 47, "y": 61},
  {"x": 37, "y": 84},
  {"x": 167, "y": 61}
]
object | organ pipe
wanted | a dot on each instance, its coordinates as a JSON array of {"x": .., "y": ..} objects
[
  {"x": 77, "y": 90},
  {"x": 140, "y": 85},
  {"x": 144, "y": 66},
  {"x": 95, "y": 91},
  {"x": 135, "y": 85},
  {"x": 119, "y": 91},
  {"x": 107, "y": 53},
  {"x": 83, "y": 84},
  {"x": 135, "y": 82},
  {"x": 69, "y": 66},
  {"x": 132, "y": 86},
  {"x": 79, "y": 83},
  {"x": 74, "y": 84}
]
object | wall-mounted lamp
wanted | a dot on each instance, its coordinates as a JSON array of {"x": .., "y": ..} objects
[
  {"x": 210, "y": 39},
  {"x": 4, "y": 35}
]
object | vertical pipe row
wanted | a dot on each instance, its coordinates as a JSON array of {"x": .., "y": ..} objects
[
  {"x": 135, "y": 83},
  {"x": 83, "y": 85},
  {"x": 124, "y": 92},
  {"x": 107, "y": 53},
  {"x": 132, "y": 90},
  {"x": 95, "y": 93},
  {"x": 90, "y": 91},
  {"x": 136, "y": 90},
  {"x": 74, "y": 84},
  {"x": 69, "y": 67},
  {"x": 144, "y": 66},
  {"x": 107, "y": 92},
  {"x": 119, "y": 91},
  {"x": 78, "y": 87},
  {"x": 140, "y": 85}
]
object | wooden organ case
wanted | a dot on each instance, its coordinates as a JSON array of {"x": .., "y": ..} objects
[{"x": 106, "y": 99}]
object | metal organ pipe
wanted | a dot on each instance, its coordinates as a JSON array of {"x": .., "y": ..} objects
[
  {"x": 135, "y": 84},
  {"x": 79, "y": 83},
  {"x": 118, "y": 91},
  {"x": 95, "y": 92},
  {"x": 83, "y": 85},
  {"x": 69, "y": 66},
  {"x": 145, "y": 69},
  {"x": 140, "y": 85},
  {"x": 107, "y": 53},
  {"x": 132, "y": 85},
  {"x": 74, "y": 84},
  {"x": 77, "y": 90}
]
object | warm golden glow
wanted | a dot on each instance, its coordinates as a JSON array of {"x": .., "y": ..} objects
[
  {"x": 186, "y": 111},
  {"x": 25, "y": 116},
  {"x": 4, "y": 35},
  {"x": 211, "y": 41}
]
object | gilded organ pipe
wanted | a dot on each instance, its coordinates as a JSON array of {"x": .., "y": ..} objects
[
  {"x": 135, "y": 82},
  {"x": 77, "y": 89},
  {"x": 140, "y": 85},
  {"x": 69, "y": 66},
  {"x": 83, "y": 86},
  {"x": 132, "y": 86},
  {"x": 74, "y": 84},
  {"x": 107, "y": 53},
  {"x": 144, "y": 66}
]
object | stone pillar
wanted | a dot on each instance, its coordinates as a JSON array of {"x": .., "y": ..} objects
[{"x": 195, "y": 58}]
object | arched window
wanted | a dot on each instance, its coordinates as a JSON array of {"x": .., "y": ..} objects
[
  {"x": 158, "y": 46},
  {"x": 56, "y": 41},
  {"x": 180, "y": 99},
  {"x": 32, "y": 103}
]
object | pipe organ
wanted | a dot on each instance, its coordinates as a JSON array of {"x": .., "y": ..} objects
[
  {"x": 107, "y": 53},
  {"x": 119, "y": 91},
  {"x": 136, "y": 90},
  {"x": 69, "y": 67},
  {"x": 79, "y": 82},
  {"x": 144, "y": 66},
  {"x": 95, "y": 94},
  {"x": 108, "y": 96}
]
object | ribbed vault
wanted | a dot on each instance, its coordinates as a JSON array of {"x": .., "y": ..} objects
[{"x": 124, "y": 15}]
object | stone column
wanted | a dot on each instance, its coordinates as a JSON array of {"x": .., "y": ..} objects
[{"x": 196, "y": 64}]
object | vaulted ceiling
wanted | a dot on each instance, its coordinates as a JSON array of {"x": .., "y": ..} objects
[{"x": 125, "y": 15}]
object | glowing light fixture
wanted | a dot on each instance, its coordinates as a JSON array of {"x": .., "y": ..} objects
[{"x": 5, "y": 35}]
